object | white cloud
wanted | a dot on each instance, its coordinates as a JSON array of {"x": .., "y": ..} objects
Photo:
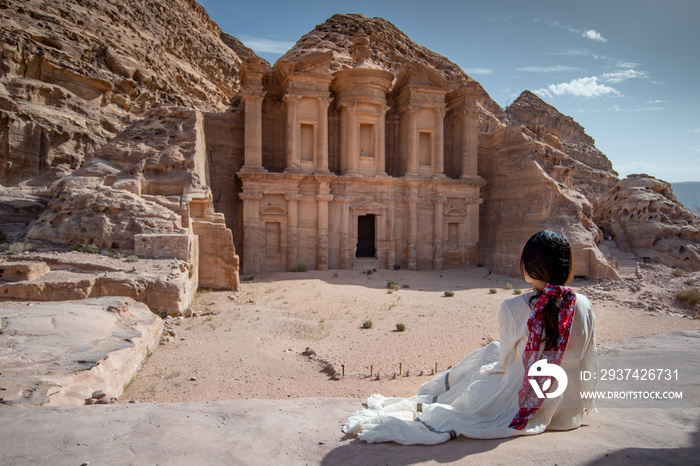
[
  {"x": 696, "y": 130},
  {"x": 262, "y": 45},
  {"x": 548, "y": 69},
  {"x": 581, "y": 87},
  {"x": 622, "y": 75},
  {"x": 479, "y": 71},
  {"x": 592, "y": 34}
]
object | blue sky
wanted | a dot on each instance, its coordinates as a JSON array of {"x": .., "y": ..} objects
[{"x": 627, "y": 70}]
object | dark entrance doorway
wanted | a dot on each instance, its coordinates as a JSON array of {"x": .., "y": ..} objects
[{"x": 365, "y": 236}]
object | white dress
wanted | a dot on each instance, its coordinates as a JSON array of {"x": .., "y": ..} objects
[{"x": 478, "y": 398}]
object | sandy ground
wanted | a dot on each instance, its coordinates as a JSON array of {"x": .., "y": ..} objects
[{"x": 249, "y": 344}]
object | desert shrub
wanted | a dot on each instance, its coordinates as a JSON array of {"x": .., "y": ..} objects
[
  {"x": 18, "y": 248},
  {"x": 248, "y": 278},
  {"x": 691, "y": 296},
  {"x": 517, "y": 291},
  {"x": 90, "y": 248},
  {"x": 3, "y": 237},
  {"x": 299, "y": 268},
  {"x": 132, "y": 258},
  {"x": 678, "y": 272},
  {"x": 118, "y": 255},
  {"x": 400, "y": 327},
  {"x": 405, "y": 285},
  {"x": 509, "y": 286},
  {"x": 493, "y": 291},
  {"x": 367, "y": 324},
  {"x": 449, "y": 293},
  {"x": 393, "y": 285},
  {"x": 690, "y": 282}
]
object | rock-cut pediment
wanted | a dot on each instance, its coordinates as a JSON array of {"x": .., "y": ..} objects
[
  {"x": 415, "y": 74},
  {"x": 369, "y": 205},
  {"x": 317, "y": 63},
  {"x": 454, "y": 211},
  {"x": 273, "y": 209}
]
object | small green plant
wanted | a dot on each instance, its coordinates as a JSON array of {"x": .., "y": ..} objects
[
  {"x": 678, "y": 272},
  {"x": 89, "y": 248},
  {"x": 118, "y": 255},
  {"x": 400, "y": 327},
  {"x": 369, "y": 272},
  {"x": 393, "y": 285},
  {"x": 248, "y": 278},
  {"x": 493, "y": 291},
  {"x": 509, "y": 286},
  {"x": 449, "y": 293},
  {"x": 517, "y": 291},
  {"x": 132, "y": 258},
  {"x": 405, "y": 285},
  {"x": 367, "y": 323},
  {"x": 299, "y": 268},
  {"x": 128, "y": 384},
  {"x": 691, "y": 296}
]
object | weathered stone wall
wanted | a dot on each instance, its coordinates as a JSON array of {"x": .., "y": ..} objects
[{"x": 224, "y": 148}]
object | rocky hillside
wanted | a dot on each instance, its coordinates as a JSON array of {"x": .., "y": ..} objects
[
  {"x": 642, "y": 215},
  {"x": 75, "y": 73}
]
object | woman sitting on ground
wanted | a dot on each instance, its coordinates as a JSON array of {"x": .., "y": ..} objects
[{"x": 496, "y": 392}]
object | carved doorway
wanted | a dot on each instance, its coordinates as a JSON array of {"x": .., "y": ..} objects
[{"x": 366, "y": 244}]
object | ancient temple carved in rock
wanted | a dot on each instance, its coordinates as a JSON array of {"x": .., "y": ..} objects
[{"x": 357, "y": 169}]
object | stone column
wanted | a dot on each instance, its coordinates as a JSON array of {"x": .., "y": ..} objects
[
  {"x": 321, "y": 153},
  {"x": 469, "y": 143},
  {"x": 381, "y": 143},
  {"x": 293, "y": 161},
  {"x": 412, "y": 140},
  {"x": 390, "y": 234},
  {"x": 252, "y": 232},
  {"x": 252, "y": 104},
  {"x": 322, "y": 199},
  {"x": 292, "y": 229},
  {"x": 353, "y": 151},
  {"x": 412, "y": 202},
  {"x": 344, "y": 201},
  {"x": 438, "y": 161},
  {"x": 438, "y": 233}
]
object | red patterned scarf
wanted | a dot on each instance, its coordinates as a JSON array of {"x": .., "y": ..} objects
[{"x": 528, "y": 400}]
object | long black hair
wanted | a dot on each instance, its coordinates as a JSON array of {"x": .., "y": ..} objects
[{"x": 547, "y": 257}]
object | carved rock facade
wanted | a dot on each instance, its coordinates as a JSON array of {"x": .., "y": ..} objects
[{"x": 349, "y": 169}]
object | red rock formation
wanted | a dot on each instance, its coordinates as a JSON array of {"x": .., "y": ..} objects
[
  {"x": 73, "y": 74},
  {"x": 146, "y": 191},
  {"x": 641, "y": 214}
]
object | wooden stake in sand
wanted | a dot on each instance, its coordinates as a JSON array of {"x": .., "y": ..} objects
[
  {"x": 371, "y": 369},
  {"x": 435, "y": 369},
  {"x": 400, "y": 368},
  {"x": 343, "y": 368}
]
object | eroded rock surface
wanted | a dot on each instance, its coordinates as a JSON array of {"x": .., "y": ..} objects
[
  {"x": 642, "y": 215},
  {"x": 76, "y": 73},
  {"x": 61, "y": 353}
]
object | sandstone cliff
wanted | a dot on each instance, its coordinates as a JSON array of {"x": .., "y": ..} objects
[
  {"x": 146, "y": 192},
  {"x": 73, "y": 74},
  {"x": 641, "y": 214}
]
